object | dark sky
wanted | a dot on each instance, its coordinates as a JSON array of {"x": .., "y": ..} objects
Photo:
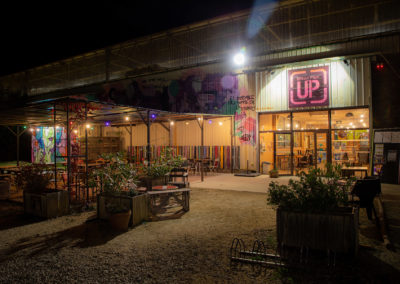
[{"x": 34, "y": 33}]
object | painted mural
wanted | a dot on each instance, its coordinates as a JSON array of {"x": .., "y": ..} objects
[
  {"x": 43, "y": 144},
  {"x": 245, "y": 124},
  {"x": 190, "y": 91},
  {"x": 195, "y": 90}
]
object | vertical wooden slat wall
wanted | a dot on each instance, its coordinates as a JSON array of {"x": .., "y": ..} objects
[{"x": 350, "y": 84}]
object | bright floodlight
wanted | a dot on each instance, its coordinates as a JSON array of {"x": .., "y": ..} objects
[{"x": 239, "y": 58}]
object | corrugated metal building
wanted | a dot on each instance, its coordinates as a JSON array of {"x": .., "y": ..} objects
[{"x": 296, "y": 50}]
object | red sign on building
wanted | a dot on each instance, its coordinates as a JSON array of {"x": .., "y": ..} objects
[{"x": 309, "y": 87}]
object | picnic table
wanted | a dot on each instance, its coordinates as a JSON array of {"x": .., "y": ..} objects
[{"x": 168, "y": 204}]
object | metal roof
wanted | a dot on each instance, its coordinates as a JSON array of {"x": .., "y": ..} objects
[
  {"x": 42, "y": 114},
  {"x": 286, "y": 26}
]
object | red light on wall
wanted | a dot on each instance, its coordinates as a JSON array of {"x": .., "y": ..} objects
[{"x": 379, "y": 66}]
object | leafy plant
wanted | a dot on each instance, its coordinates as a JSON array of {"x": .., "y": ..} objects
[
  {"x": 316, "y": 191},
  {"x": 163, "y": 165},
  {"x": 35, "y": 178},
  {"x": 116, "y": 177}
]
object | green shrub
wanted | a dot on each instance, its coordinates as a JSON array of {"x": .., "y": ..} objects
[{"x": 316, "y": 191}]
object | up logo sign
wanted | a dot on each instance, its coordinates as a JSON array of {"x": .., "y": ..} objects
[{"x": 309, "y": 87}]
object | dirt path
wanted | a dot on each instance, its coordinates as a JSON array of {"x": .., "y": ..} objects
[{"x": 193, "y": 249}]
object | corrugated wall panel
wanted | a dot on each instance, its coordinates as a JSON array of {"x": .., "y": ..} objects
[{"x": 350, "y": 84}]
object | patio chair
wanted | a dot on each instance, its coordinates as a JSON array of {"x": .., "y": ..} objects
[
  {"x": 303, "y": 162},
  {"x": 192, "y": 166},
  {"x": 178, "y": 177},
  {"x": 215, "y": 166}
]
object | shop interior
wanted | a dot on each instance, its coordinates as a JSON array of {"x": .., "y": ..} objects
[{"x": 297, "y": 141}]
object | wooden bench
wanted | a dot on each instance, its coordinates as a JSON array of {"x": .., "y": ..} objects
[{"x": 168, "y": 204}]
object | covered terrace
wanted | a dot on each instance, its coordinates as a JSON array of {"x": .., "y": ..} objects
[{"x": 71, "y": 133}]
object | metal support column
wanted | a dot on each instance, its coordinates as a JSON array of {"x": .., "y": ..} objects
[
  {"x": 68, "y": 152},
  {"x": 18, "y": 135},
  {"x": 86, "y": 158},
  {"x": 55, "y": 146},
  {"x": 291, "y": 144},
  {"x": 130, "y": 143},
  {"x": 18, "y": 146},
  {"x": 148, "y": 138},
  {"x": 202, "y": 148},
  {"x": 231, "y": 144}
]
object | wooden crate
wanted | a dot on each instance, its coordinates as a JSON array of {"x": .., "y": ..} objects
[{"x": 47, "y": 205}]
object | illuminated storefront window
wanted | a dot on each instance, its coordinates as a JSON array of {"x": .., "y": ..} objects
[
  {"x": 313, "y": 120},
  {"x": 278, "y": 122},
  {"x": 305, "y": 144}
]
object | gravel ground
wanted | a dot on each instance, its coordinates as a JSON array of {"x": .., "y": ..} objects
[{"x": 194, "y": 248}]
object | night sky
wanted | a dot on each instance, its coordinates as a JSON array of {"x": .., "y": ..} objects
[{"x": 34, "y": 33}]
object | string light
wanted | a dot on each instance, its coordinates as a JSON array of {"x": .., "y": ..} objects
[
  {"x": 88, "y": 125},
  {"x": 220, "y": 123}
]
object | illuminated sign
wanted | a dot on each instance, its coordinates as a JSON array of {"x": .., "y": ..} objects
[{"x": 309, "y": 87}]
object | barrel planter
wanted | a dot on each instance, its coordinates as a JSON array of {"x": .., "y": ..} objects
[
  {"x": 49, "y": 204},
  {"x": 336, "y": 231},
  {"x": 137, "y": 204}
]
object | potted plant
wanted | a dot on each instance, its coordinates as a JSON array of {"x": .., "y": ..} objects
[
  {"x": 313, "y": 211},
  {"x": 117, "y": 181},
  {"x": 39, "y": 200},
  {"x": 155, "y": 173},
  {"x": 274, "y": 173}
]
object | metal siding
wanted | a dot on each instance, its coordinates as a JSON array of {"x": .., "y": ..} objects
[{"x": 350, "y": 84}]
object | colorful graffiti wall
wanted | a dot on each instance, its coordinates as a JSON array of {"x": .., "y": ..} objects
[
  {"x": 43, "y": 144},
  {"x": 198, "y": 90}
]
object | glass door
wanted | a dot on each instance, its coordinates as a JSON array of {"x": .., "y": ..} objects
[
  {"x": 321, "y": 143},
  {"x": 283, "y": 153},
  {"x": 266, "y": 152},
  {"x": 303, "y": 150}
]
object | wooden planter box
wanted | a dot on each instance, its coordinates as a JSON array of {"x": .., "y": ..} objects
[
  {"x": 336, "y": 231},
  {"x": 4, "y": 189},
  {"x": 47, "y": 205},
  {"x": 137, "y": 204}
]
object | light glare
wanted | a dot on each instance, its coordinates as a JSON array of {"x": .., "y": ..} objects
[{"x": 239, "y": 58}]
